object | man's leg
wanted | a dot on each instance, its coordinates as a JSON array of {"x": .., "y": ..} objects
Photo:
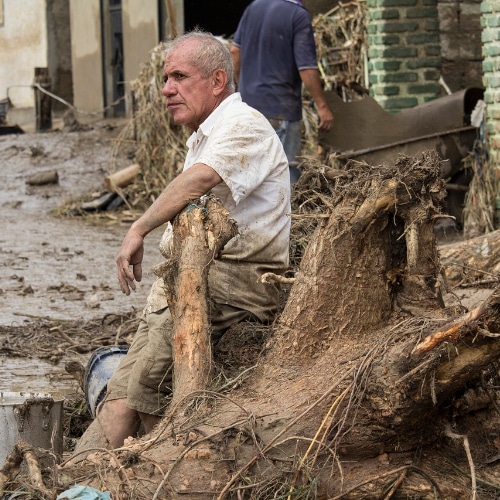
[
  {"x": 149, "y": 421},
  {"x": 117, "y": 422},
  {"x": 100, "y": 434},
  {"x": 150, "y": 378},
  {"x": 135, "y": 390},
  {"x": 290, "y": 134}
]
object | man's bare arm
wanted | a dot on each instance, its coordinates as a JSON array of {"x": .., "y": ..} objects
[
  {"x": 310, "y": 78},
  {"x": 236, "y": 56},
  {"x": 191, "y": 184}
]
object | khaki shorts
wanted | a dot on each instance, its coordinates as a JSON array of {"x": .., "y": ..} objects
[{"x": 144, "y": 376}]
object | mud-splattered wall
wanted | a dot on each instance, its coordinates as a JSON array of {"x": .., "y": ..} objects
[
  {"x": 23, "y": 46},
  {"x": 33, "y": 35},
  {"x": 59, "y": 51},
  {"x": 141, "y": 33},
  {"x": 86, "y": 54}
]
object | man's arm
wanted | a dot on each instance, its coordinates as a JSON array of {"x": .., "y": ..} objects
[
  {"x": 310, "y": 78},
  {"x": 191, "y": 184},
  {"x": 236, "y": 56}
]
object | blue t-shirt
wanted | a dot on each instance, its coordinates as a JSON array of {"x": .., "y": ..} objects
[{"x": 276, "y": 40}]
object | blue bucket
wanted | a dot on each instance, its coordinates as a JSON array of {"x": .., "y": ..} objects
[{"x": 102, "y": 364}]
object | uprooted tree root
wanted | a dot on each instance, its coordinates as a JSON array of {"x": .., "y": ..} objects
[
  {"x": 136, "y": 473},
  {"x": 370, "y": 411},
  {"x": 212, "y": 421}
]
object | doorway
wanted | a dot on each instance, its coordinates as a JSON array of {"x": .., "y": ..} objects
[
  {"x": 113, "y": 69},
  {"x": 219, "y": 17}
]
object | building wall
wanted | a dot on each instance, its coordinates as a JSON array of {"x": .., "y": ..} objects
[
  {"x": 460, "y": 35},
  {"x": 85, "y": 22},
  {"x": 490, "y": 20},
  {"x": 404, "y": 52},
  {"x": 59, "y": 52},
  {"x": 23, "y": 47},
  {"x": 141, "y": 33},
  {"x": 173, "y": 21}
]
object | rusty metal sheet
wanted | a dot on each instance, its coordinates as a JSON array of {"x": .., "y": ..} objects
[{"x": 364, "y": 125}]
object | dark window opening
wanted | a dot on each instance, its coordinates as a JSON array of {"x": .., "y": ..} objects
[{"x": 219, "y": 17}]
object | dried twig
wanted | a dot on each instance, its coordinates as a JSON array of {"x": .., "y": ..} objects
[{"x": 465, "y": 440}]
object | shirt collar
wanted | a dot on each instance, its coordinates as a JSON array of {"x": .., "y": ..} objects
[{"x": 206, "y": 127}]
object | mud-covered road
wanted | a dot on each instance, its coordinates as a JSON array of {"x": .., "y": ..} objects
[
  {"x": 60, "y": 267},
  {"x": 53, "y": 267}
]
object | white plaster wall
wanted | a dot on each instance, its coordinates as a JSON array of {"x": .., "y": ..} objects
[
  {"x": 23, "y": 47},
  {"x": 140, "y": 36},
  {"x": 85, "y": 20}
]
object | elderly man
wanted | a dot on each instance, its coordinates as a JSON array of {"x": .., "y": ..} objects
[{"x": 235, "y": 154}]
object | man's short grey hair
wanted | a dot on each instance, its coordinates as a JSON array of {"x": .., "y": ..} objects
[{"x": 209, "y": 55}]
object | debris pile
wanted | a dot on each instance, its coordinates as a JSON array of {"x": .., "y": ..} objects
[{"x": 342, "y": 49}]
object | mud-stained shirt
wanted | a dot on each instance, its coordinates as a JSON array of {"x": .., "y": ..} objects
[{"x": 241, "y": 146}]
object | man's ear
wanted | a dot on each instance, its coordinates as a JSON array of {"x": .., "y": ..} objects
[{"x": 219, "y": 81}]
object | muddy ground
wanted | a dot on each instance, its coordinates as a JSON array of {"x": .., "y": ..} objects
[
  {"x": 58, "y": 270},
  {"x": 59, "y": 296}
]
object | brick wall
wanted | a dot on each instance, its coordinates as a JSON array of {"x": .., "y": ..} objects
[
  {"x": 490, "y": 21},
  {"x": 404, "y": 52}
]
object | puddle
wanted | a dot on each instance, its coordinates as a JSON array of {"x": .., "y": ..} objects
[{"x": 35, "y": 375}]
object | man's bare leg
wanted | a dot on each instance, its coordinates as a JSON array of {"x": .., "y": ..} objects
[
  {"x": 149, "y": 421},
  {"x": 117, "y": 422}
]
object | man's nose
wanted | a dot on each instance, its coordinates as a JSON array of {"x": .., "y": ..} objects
[{"x": 168, "y": 88}]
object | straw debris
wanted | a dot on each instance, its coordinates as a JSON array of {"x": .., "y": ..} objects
[
  {"x": 342, "y": 49},
  {"x": 479, "y": 210}
]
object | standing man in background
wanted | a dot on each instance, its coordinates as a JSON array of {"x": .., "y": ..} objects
[{"x": 273, "y": 53}]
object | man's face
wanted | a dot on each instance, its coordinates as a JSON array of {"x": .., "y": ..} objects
[{"x": 189, "y": 96}]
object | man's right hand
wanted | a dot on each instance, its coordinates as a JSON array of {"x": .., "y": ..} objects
[
  {"x": 131, "y": 253},
  {"x": 325, "y": 118}
]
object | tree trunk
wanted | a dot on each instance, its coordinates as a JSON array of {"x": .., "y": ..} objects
[
  {"x": 472, "y": 262},
  {"x": 200, "y": 233},
  {"x": 358, "y": 388}
]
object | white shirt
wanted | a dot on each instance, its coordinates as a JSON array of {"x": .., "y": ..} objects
[{"x": 242, "y": 147}]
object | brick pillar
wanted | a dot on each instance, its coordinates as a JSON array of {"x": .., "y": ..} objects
[
  {"x": 490, "y": 21},
  {"x": 404, "y": 52}
]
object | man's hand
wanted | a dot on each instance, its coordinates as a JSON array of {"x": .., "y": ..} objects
[
  {"x": 325, "y": 118},
  {"x": 190, "y": 185},
  {"x": 312, "y": 81},
  {"x": 131, "y": 254}
]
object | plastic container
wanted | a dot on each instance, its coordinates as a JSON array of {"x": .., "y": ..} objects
[
  {"x": 102, "y": 364},
  {"x": 34, "y": 417}
]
